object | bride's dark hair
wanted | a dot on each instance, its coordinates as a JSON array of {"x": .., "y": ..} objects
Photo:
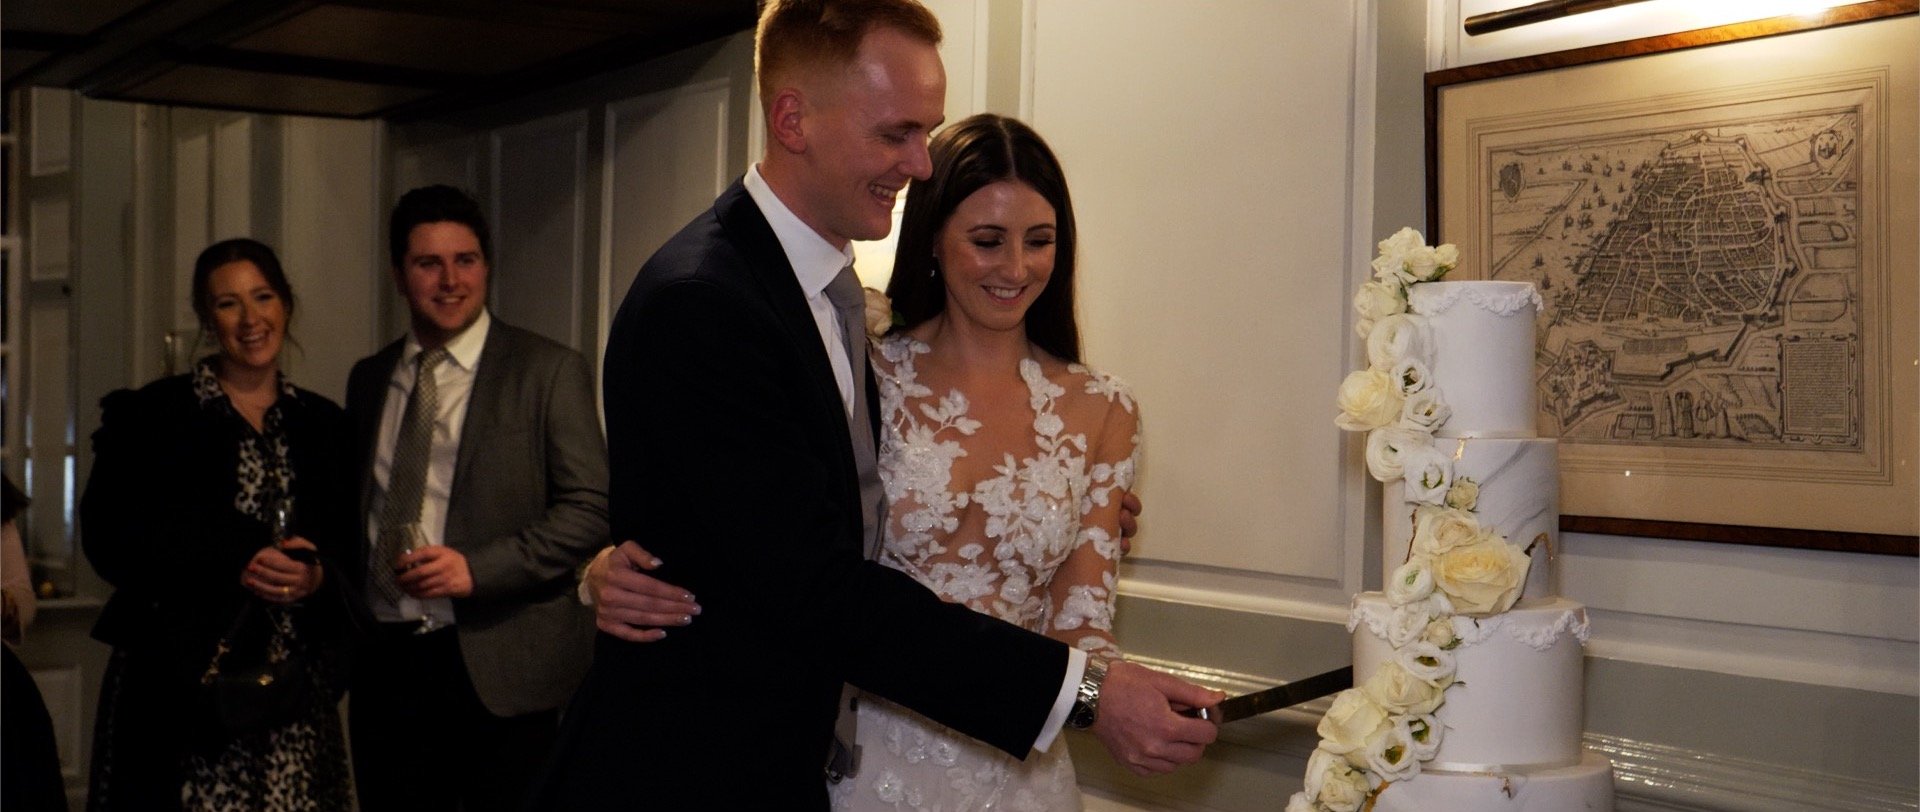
[{"x": 968, "y": 155}]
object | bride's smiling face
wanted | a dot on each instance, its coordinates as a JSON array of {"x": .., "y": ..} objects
[{"x": 996, "y": 254}]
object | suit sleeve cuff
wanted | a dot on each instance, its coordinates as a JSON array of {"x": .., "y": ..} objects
[
  {"x": 1063, "y": 704},
  {"x": 582, "y": 590}
]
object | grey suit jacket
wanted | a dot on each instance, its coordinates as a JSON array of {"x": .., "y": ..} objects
[{"x": 528, "y": 507}]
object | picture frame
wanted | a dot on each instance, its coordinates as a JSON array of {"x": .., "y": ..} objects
[{"x": 1723, "y": 225}]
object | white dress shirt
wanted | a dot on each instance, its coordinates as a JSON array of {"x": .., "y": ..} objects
[
  {"x": 453, "y": 381},
  {"x": 815, "y": 263}
]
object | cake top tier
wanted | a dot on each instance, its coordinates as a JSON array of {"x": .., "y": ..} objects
[{"x": 1482, "y": 354}]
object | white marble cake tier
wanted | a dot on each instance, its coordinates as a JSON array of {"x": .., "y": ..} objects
[
  {"x": 1482, "y": 354},
  {"x": 1586, "y": 786},
  {"x": 1521, "y": 698},
  {"x": 1519, "y": 498}
]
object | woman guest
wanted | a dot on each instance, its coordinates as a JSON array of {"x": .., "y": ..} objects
[
  {"x": 213, "y": 493},
  {"x": 1004, "y": 459}
]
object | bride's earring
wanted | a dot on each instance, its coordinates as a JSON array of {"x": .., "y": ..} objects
[{"x": 933, "y": 268}]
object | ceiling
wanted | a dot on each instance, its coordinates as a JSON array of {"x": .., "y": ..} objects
[{"x": 392, "y": 59}]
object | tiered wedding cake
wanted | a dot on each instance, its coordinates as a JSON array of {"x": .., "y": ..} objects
[{"x": 1467, "y": 668}]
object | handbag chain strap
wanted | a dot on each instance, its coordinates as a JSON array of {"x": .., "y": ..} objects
[{"x": 277, "y": 650}]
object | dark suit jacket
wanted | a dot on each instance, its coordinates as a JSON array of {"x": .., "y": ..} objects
[
  {"x": 731, "y": 458},
  {"x": 528, "y": 507}
]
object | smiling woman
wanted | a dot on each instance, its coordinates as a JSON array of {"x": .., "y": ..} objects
[{"x": 244, "y": 525}]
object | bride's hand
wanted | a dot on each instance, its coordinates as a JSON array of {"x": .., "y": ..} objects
[{"x": 632, "y": 605}]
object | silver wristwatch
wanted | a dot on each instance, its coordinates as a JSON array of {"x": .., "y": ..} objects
[{"x": 1086, "y": 701}]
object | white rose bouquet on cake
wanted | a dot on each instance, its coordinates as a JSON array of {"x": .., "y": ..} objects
[{"x": 1382, "y": 730}]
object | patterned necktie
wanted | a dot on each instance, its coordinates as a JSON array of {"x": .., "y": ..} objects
[
  {"x": 407, "y": 478},
  {"x": 843, "y": 758},
  {"x": 851, "y": 302}
]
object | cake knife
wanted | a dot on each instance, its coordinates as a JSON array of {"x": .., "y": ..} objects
[{"x": 1277, "y": 697}]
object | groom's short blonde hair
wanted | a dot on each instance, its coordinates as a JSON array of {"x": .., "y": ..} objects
[{"x": 795, "y": 36}]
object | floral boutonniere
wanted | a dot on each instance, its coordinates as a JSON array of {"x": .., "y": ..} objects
[{"x": 880, "y": 315}]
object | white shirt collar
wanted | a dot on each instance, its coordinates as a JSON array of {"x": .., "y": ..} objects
[
  {"x": 463, "y": 350},
  {"x": 815, "y": 261}
]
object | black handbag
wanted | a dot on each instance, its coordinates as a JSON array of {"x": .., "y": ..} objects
[{"x": 259, "y": 677}]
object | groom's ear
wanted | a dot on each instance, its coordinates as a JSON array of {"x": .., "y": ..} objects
[{"x": 787, "y": 120}]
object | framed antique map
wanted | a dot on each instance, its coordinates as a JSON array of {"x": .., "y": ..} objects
[{"x": 1722, "y": 225}]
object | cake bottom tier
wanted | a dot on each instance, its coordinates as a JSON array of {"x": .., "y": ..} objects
[{"x": 1583, "y": 787}]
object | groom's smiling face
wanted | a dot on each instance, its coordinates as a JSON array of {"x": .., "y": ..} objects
[{"x": 866, "y": 127}]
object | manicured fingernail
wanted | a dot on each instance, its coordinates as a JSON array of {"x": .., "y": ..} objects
[
  {"x": 653, "y": 562},
  {"x": 686, "y": 619},
  {"x": 696, "y": 607}
]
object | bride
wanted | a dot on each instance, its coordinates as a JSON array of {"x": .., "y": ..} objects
[{"x": 1004, "y": 459}]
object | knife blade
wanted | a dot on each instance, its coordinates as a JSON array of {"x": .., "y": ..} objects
[{"x": 1277, "y": 697}]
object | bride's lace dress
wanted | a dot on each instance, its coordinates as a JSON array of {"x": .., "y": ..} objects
[{"x": 1018, "y": 521}]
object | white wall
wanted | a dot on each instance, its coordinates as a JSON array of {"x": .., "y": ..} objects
[{"x": 1215, "y": 190}]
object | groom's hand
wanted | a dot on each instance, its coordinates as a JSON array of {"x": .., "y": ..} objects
[
  {"x": 1139, "y": 719},
  {"x": 1129, "y": 521},
  {"x": 630, "y": 604}
]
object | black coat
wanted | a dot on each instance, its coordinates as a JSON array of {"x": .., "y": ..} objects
[
  {"x": 158, "y": 522},
  {"x": 731, "y": 460}
]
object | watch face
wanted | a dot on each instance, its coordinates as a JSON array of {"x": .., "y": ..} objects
[{"x": 1081, "y": 717}]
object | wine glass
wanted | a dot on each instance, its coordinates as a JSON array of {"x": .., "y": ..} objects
[{"x": 417, "y": 540}]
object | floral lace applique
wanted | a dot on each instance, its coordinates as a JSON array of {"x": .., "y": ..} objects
[{"x": 990, "y": 526}]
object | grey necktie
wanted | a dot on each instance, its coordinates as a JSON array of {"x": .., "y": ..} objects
[
  {"x": 407, "y": 479},
  {"x": 843, "y": 760},
  {"x": 851, "y": 302}
]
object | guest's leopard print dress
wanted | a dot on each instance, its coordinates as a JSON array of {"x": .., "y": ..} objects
[{"x": 301, "y": 767}]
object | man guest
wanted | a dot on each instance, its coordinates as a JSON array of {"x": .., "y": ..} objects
[{"x": 483, "y": 489}]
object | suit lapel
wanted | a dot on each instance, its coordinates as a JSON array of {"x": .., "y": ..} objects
[
  {"x": 767, "y": 263},
  {"x": 484, "y": 402}
]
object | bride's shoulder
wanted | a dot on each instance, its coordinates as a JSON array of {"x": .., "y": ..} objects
[
  {"x": 1085, "y": 382},
  {"x": 894, "y": 351}
]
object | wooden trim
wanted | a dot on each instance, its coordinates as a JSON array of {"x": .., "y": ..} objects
[{"x": 1829, "y": 540}]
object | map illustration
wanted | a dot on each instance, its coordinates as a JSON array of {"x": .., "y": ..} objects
[{"x": 1702, "y": 283}]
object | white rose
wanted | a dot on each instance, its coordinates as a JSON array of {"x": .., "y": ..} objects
[
  {"x": 1421, "y": 263},
  {"x": 1403, "y": 335},
  {"x": 1425, "y": 410},
  {"x": 1301, "y": 803},
  {"x": 1483, "y": 577},
  {"x": 1437, "y": 603},
  {"x": 1428, "y": 473},
  {"x": 1402, "y": 241},
  {"x": 1440, "y": 633},
  {"x": 1400, "y": 692},
  {"x": 1344, "y": 792},
  {"x": 1427, "y": 662},
  {"x": 1349, "y": 723},
  {"x": 1368, "y": 400},
  {"x": 1464, "y": 495},
  {"x": 1390, "y": 755},
  {"x": 1412, "y": 581},
  {"x": 1406, "y": 623},
  {"x": 1379, "y": 299},
  {"x": 1385, "y": 447},
  {"x": 1391, "y": 265},
  {"x": 1412, "y": 375},
  {"x": 1424, "y": 732},
  {"x": 1446, "y": 257},
  {"x": 1438, "y": 529},
  {"x": 1320, "y": 765},
  {"x": 879, "y": 312}
]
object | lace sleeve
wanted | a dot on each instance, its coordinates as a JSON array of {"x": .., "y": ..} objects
[{"x": 1082, "y": 589}]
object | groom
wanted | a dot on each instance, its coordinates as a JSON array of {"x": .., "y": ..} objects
[{"x": 736, "y": 416}]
